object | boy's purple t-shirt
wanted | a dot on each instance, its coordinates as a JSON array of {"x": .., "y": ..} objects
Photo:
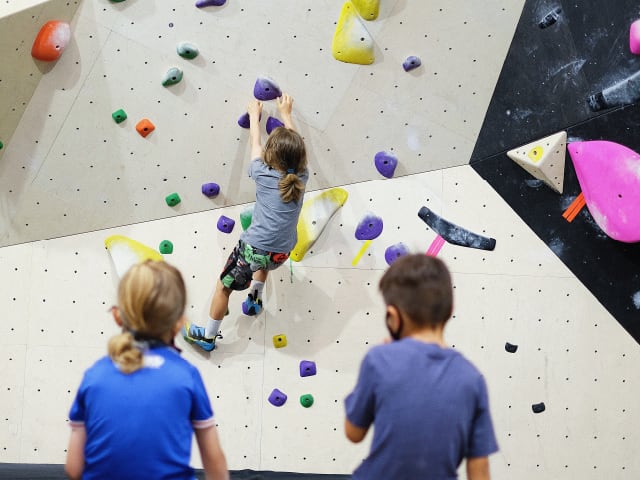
[{"x": 429, "y": 407}]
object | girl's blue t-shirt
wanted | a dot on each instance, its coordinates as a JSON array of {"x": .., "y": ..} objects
[{"x": 140, "y": 425}]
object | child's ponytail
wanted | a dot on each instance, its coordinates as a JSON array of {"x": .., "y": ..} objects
[
  {"x": 291, "y": 187},
  {"x": 124, "y": 353}
]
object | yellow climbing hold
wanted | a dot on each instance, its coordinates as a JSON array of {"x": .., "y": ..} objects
[
  {"x": 126, "y": 252},
  {"x": 314, "y": 216},
  {"x": 368, "y": 9},
  {"x": 535, "y": 154},
  {"x": 352, "y": 43}
]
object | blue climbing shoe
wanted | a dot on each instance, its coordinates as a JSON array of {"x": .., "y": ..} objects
[
  {"x": 252, "y": 305},
  {"x": 195, "y": 335}
]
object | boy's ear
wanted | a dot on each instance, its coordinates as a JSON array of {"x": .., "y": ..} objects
[
  {"x": 393, "y": 317},
  {"x": 178, "y": 325}
]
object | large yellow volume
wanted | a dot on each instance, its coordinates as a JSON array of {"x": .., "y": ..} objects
[
  {"x": 368, "y": 9},
  {"x": 352, "y": 43},
  {"x": 126, "y": 252}
]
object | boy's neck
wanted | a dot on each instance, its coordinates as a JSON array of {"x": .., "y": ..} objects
[{"x": 428, "y": 335}]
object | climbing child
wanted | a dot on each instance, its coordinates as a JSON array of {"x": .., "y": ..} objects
[
  {"x": 137, "y": 408},
  {"x": 280, "y": 173},
  {"x": 429, "y": 404}
]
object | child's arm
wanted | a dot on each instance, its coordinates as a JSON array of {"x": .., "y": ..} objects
[
  {"x": 354, "y": 433},
  {"x": 478, "y": 468},
  {"x": 254, "y": 109},
  {"x": 285, "y": 106},
  {"x": 213, "y": 460},
  {"x": 75, "y": 453}
]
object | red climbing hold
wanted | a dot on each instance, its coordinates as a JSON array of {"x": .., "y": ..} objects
[{"x": 51, "y": 41}]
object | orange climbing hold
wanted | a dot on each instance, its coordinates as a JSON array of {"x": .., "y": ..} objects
[
  {"x": 145, "y": 127},
  {"x": 574, "y": 209},
  {"x": 51, "y": 41}
]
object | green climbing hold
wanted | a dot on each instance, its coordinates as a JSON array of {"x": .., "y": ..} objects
[
  {"x": 119, "y": 116},
  {"x": 173, "y": 76},
  {"x": 1, "y": 145},
  {"x": 306, "y": 400},
  {"x": 246, "y": 216},
  {"x": 166, "y": 247},
  {"x": 172, "y": 199},
  {"x": 187, "y": 50}
]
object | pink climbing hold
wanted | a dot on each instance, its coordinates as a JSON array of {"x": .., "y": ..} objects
[
  {"x": 51, "y": 41},
  {"x": 634, "y": 38},
  {"x": 609, "y": 175}
]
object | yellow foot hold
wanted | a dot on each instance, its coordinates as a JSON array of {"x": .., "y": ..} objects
[
  {"x": 352, "y": 43},
  {"x": 368, "y": 9}
]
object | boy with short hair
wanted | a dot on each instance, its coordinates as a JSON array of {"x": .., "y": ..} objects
[{"x": 429, "y": 404}]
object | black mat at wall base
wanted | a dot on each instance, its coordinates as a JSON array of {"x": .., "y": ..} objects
[
  {"x": 543, "y": 88},
  {"x": 20, "y": 471}
]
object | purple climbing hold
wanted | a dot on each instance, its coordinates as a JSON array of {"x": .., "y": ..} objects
[
  {"x": 386, "y": 163},
  {"x": 266, "y": 89},
  {"x": 210, "y": 3},
  {"x": 370, "y": 227},
  {"x": 307, "y": 368},
  {"x": 277, "y": 398},
  {"x": 210, "y": 189},
  {"x": 411, "y": 62},
  {"x": 272, "y": 124},
  {"x": 226, "y": 224},
  {"x": 244, "y": 120},
  {"x": 394, "y": 252}
]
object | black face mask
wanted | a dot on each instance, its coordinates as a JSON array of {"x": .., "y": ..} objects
[{"x": 395, "y": 335}]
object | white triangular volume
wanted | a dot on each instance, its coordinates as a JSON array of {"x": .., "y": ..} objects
[{"x": 544, "y": 159}]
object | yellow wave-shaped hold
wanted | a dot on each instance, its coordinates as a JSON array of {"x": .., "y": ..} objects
[
  {"x": 368, "y": 9},
  {"x": 126, "y": 252},
  {"x": 314, "y": 216},
  {"x": 352, "y": 43}
]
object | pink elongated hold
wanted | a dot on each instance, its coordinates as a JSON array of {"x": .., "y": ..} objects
[
  {"x": 51, "y": 41},
  {"x": 609, "y": 175},
  {"x": 634, "y": 38}
]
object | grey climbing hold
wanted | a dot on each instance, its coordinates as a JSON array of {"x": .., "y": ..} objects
[
  {"x": 173, "y": 76},
  {"x": 187, "y": 50},
  {"x": 538, "y": 407},
  {"x": 550, "y": 18},
  {"x": 411, "y": 62}
]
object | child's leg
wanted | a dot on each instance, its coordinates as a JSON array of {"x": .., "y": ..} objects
[{"x": 218, "y": 309}]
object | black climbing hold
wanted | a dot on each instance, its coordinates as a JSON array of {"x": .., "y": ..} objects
[
  {"x": 454, "y": 234},
  {"x": 538, "y": 407},
  {"x": 510, "y": 347},
  {"x": 550, "y": 18}
]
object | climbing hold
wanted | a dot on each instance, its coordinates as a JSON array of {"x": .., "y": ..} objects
[
  {"x": 116, "y": 1},
  {"x": 634, "y": 37},
  {"x": 173, "y": 76},
  {"x": 226, "y": 224},
  {"x": 544, "y": 159},
  {"x": 187, "y": 50},
  {"x": 244, "y": 120},
  {"x": 246, "y": 216},
  {"x": 386, "y": 163},
  {"x": 626, "y": 91},
  {"x": 307, "y": 368},
  {"x": 51, "y": 41},
  {"x": 511, "y": 348},
  {"x": 368, "y": 9},
  {"x": 1, "y": 145},
  {"x": 411, "y": 63},
  {"x": 119, "y": 116},
  {"x": 314, "y": 216},
  {"x": 394, "y": 252},
  {"x": 609, "y": 175},
  {"x": 172, "y": 199},
  {"x": 126, "y": 252},
  {"x": 145, "y": 127},
  {"x": 266, "y": 89},
  {"x": 166, "y": 247},
  {"x": 280, "y": 341},
  {"x": 370, "y": 227},
  {"x": 550, "y": 18},
  {"x": 454, "y": 234},
  {"x": 210, "y": 3},
  {"x": 538, "y": 407},
  {"x": 277, "y": 398},
  {"x": 272, "y": 124},
  {"x": 306, "y": 400},
  {"x": 352, "y": 43},
  {"x": 210, "y": 189}
]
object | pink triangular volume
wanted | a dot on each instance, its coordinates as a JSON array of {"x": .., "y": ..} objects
[{"x": 609, "y": 175}]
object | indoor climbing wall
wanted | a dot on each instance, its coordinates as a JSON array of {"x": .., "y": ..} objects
[{"x": 560, "y": 369}]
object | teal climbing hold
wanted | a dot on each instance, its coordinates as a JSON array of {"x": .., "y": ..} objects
[
  {"x": 246, "y": 216},
  {"x": 173, "y": 76},
  {"x": 173, "y": 199},
  {"x": 187, "y": 50},
  {"x": 166, "y": 247},
  {"x": 119, "y": 116}
]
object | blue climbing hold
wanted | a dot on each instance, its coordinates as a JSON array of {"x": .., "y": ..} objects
[
  {"x": 394, "y": 252},
  {"x": 272, "y": 124},
  {"x": 210, "y": 189},
  {"x": 411, "y": 62},
  {"x": 226, "y": 224},
  {"x": 386, "y": 163},
  {"x": 370, "y": 227},
  {"x": 277, "y": 398},
  {"x": 307, "y": 368},
  {"x": 266, "y": 89},
  {"x": 210, "y": 3}
]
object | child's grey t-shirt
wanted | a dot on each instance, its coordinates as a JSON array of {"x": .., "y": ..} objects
[
  {"x": 274, "y": 223},
  {"x": 429, "y": 407}
]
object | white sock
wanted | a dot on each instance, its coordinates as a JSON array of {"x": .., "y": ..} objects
[
  {"x": 255, "y": 285},
  {"x": 211, "y": 330}
]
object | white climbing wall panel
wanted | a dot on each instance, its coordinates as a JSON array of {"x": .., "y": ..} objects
[
  {"x": 70, "y": 169},
  {"x": 571, "y": 354}
]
